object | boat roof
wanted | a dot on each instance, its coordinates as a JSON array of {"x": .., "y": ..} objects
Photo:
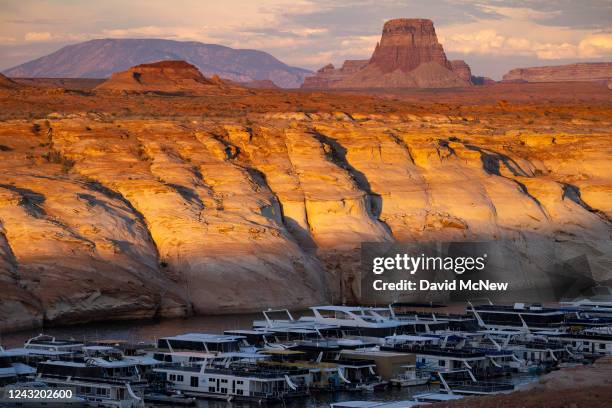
[
  {"x": 100, "y": 348},
  {"x": 242, "y": 355},
  {"x": 15, "y": 352},
  {"x": 295, "y": 330},
  {"x": 374, "y": 404},
  {"x": 143, "y": 360},
  {"x": 204, "y": 337},
  {"x": 372, "y": 353},
  {"x": 281, "y": 352},
  {"x": 408, "y": 337},
  {"x": 240, "y": 332},
  {"x": 438, "y": 396},
  {"x": 349, "y": 308},
  {"x": 518, "y": 308},
  {"x": 187, "y": 353}
]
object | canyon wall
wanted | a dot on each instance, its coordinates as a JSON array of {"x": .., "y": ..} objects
[
  {"x": 129, "y": 218},
  {"x": 590, "y": 71}
]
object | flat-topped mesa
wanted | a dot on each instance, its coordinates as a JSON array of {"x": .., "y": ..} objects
[
  {"x": 589, "y": 71},
  {"x": 162, "y": 76},
  {"x": 407, "y": 43},
  {"x": 407, "y": 56}
]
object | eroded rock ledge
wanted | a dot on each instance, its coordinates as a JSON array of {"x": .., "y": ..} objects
[{"x": 116, "y": 219}]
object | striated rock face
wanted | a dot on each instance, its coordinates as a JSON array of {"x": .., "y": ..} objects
[
  {"x": 408, "y": 55},
  {"x": 114, "y": 218},
  {"x": 593, "y": 71},
  {"x": 162, "y": 76},
  {"x": 407, "y": 43},
  {"x": 461, "y": 68}
]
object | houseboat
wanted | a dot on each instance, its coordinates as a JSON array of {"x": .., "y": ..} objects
[
  {"x": 588, "y": 343},
  {"x": 46, "y": 342},
  {"x": 236, "y": 382},
  {"x": 364, "y": 321},
  {"x": 519, "y": 315},
  {"x": 11, "y": 370},
  {"x": 203, "y": 342},
  {"x": 108, "y": 384},
  {"x": 410, "y": 377}
]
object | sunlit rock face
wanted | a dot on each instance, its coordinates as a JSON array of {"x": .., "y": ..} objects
[{"x": 114, "y": 219}]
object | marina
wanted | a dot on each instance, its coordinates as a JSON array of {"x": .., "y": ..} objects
[{"x": 338, "y": 356}]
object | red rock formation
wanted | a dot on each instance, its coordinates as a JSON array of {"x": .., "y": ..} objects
[
  {"x": 329, "y": 75},
  {"x": 407, "y": 43},
  {"x": 6, "y": 83},
  {"x": 461, "y": 68},
  {"x": 260, "y": 84},
  {"x": 408, "y": 55},
  {"x": 162, "y": 76},
  {"x": 591, "y": 71}
]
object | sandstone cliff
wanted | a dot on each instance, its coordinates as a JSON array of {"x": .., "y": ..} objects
[
  {"x": 408, "y": 55},
  {"x": 462, "y": 69},
  {"x": 594, "y": 71},
  {"x": 104, "y": 218}
]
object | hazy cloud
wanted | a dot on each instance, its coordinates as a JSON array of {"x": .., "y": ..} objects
[{"x": 492, "y": 35}]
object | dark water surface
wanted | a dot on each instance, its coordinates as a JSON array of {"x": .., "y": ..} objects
[{"x": 139, "y": 330}]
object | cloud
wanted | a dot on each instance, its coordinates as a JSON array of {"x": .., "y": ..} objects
[
  {"x": 311, "y": 33},
  {"x": 490, "y": 42},
  {"x": 38, "y": 36},
  {"x": 596, "y": 46}
]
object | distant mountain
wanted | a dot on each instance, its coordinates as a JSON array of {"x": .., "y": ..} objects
[{"x": 100, "y": 58}]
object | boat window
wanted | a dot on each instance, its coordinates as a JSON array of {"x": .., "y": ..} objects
[
  {"x": 602, "y": 346},
  {"x": 195, "y": 381},
  {"x": 442, "y": 363},
  {"x": 211, "y": 389}
]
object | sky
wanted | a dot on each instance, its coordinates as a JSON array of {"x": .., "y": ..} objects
[{"x": 492, "y": 36}]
